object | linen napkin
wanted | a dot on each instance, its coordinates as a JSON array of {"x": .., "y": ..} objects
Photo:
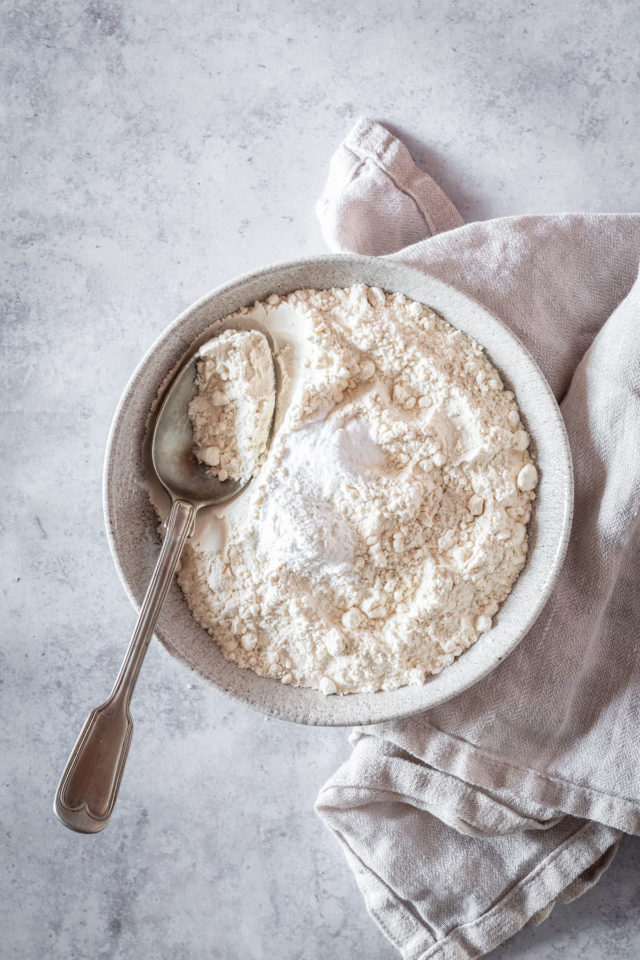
[{"x": 466, "y": 822}]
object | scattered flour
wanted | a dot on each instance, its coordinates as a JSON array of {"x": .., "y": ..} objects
[
  {"x": 232, "y": 411},
  {"x": 388, "y": 521}
]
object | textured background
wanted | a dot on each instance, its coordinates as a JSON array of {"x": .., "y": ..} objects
[{"x": 154, "y": 149}]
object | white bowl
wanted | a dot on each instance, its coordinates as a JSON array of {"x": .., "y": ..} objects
[{"x": 132, "y": 525}]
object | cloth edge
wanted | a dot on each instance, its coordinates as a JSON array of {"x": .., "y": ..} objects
[
  {"x": 476, "y": 766},
  {"x": 531, "y": 899},
  {"x": 368, "y": 139},
  {"x": 550, "y": 878},
  {"x": 369, "y": 144}
]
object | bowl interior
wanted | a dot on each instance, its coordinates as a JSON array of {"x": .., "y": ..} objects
[{"x": 132, "y": 524}]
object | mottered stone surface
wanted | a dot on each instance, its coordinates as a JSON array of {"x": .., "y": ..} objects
[{"x": 151, "y": 152}]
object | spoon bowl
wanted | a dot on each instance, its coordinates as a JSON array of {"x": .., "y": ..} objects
[{"x": 175, "y": 464}]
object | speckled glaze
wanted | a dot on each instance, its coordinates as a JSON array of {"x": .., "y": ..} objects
[{"x": 131, "y": 522}]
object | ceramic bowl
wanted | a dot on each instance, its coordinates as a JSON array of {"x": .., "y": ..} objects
[{"x": 132, "y": 525}]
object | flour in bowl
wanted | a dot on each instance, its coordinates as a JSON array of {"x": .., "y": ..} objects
[{"x": 389, "y": 519}]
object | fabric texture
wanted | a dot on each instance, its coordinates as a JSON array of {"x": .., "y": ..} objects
[{"x": 468, "y": 821}]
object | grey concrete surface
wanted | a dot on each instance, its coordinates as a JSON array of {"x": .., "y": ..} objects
[{"x": 154, "y": 149}]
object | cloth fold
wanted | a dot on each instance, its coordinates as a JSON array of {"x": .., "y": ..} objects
[
  {"x": 359, "y": 212},
  {"x": 465, "y": 823}
]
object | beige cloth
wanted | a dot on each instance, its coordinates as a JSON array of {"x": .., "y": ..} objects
[{"x": 466, "y": 822}]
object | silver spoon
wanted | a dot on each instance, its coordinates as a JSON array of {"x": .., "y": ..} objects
[{"x": 89, "y": 786}]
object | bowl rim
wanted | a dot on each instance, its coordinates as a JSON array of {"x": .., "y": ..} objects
[{"x": 554, "y": 564}]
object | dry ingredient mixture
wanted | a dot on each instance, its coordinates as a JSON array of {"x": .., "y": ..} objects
[
  {"x": 232, "y": 410},
  {"x": 389, "y": 520}
]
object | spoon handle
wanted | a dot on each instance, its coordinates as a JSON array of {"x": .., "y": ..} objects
[{"x": 89, "y": 786}]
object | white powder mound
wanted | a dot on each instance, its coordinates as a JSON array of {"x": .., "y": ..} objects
[
  {"x": 232, "y": 410},
  {"x": 388, "y": 522}
]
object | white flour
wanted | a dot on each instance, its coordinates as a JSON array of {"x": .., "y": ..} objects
[
  {"x": 232, "y": 410},
  {"x": 388, "y": 521}
]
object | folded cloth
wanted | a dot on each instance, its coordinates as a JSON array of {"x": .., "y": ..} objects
[{"x": 466, "y": 822}]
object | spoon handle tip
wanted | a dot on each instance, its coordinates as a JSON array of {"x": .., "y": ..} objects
[{"x": 89, "y": 786}]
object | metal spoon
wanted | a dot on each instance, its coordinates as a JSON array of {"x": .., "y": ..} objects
[{"x": 89, "y": 786}]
